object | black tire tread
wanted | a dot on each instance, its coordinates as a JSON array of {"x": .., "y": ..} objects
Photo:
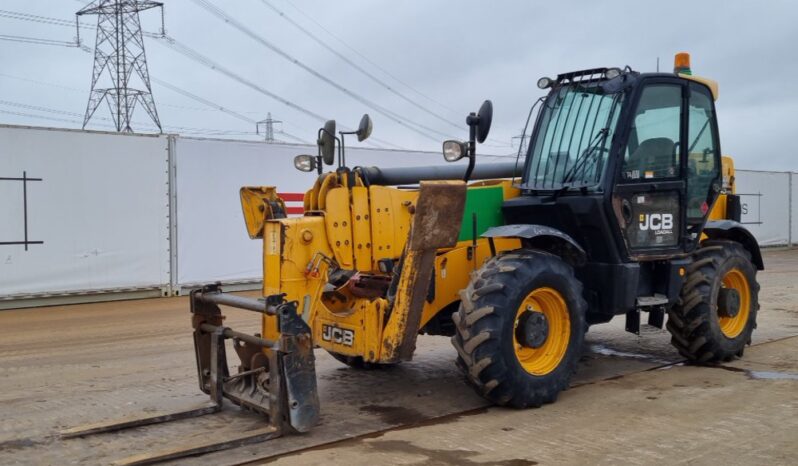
[
  {"x": 479, "y": 323},
  {"x": 689, "y": 321}
]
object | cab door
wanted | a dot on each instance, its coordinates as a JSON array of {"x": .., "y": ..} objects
[
  {"x": 703, "y": 164},
  {"x": 650, "y": 188}
]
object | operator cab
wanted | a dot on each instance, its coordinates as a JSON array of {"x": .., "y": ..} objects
[
  {"x": 628, "y": 165},
  {"x": 621, "y": 174}
]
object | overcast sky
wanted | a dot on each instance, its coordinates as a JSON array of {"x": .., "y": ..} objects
[{"x": 452, "y": 54}]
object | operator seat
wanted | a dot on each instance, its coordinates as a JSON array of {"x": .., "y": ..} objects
[{"x": 655, "y": 154}]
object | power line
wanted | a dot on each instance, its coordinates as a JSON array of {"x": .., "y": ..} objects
[
  {"x": 358, "y": 67},
  {"x": 38, "y": 108},
  {"x": 161, "y": 36},
  {"x": 180, "y": 129},
  {"x": 202, "y": 100},
  {"x": 40, "y": 117},
  {"x": 41, "y": 83},
  {"x": 218, "y": 107},
  {"x": 371, "y": 75},
  {"x": 372, "y": 63},
  {"x": 384, "y": 111},
  {"x": 37, "y": 40},
  {"x": 188, "y": 52},
  {"x": 35, "y": 18},
  {"x": 211, "y": 106}
]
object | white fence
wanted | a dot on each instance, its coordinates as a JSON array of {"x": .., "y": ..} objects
[
  {"x": 769, "y": 206},
  {"x": 93, "y": 216},
  {"x": 91, "y": 213}
]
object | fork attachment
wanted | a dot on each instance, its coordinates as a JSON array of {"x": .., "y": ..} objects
[{"x": 275, "y": 378}]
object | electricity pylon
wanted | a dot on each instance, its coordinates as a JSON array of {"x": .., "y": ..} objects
[{"x": 120, "y": 61}]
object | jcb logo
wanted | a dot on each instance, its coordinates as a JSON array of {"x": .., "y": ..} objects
[
  {"x": 655, "y": 222},
  {"x": 337, "y": 335}
]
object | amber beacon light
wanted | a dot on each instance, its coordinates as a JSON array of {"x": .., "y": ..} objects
[{"x": 681, "y": 63}]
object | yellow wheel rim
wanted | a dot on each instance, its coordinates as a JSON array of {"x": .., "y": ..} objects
[
  {"x": 543, "y": 360},
  {"x": 733, "y": 326}
]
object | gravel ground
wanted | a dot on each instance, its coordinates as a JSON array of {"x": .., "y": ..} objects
[{"x": 71, "y": 365}]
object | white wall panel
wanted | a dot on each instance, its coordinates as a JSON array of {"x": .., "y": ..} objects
[
  {"x": 794, "y": 208},
  {"x": 764, "y": 197},
  {"x": 101, "y": 211}
]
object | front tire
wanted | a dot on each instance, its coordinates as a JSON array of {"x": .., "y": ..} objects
[
  {"x": 719, "y": 301},
  {"x": 515, "y": 367}
]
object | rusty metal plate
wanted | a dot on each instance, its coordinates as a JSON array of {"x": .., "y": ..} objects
[{"x": 439, "y": 213}]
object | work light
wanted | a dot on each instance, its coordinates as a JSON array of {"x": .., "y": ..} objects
[
  {"x": 305, "y": 163},
  {"x": 453, "y": 150}
]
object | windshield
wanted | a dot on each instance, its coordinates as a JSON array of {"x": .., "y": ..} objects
[{"x": 575, "y": 130}]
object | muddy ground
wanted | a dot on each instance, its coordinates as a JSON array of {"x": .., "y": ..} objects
[{"x": 631, "y": 402}]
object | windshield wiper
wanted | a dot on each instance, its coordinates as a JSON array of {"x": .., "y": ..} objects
[{"x": 584, "y": 157}]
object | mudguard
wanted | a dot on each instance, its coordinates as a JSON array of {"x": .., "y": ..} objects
[
  {"x": 544, "y": 238},
  {"x": 735, "y": 231}
]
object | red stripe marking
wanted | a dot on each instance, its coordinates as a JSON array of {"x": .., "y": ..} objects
[
  {"x": 294, "y": 210},
  {"x": 292, "y": 196}
]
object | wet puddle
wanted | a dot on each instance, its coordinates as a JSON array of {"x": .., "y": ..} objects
[
  {"x": 762, "y": 375},
  {"x": 607, "y": 351},
  {"x": 771, "y": 375}
]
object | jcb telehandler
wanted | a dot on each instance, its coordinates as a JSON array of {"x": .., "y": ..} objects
[{"x": 622, "y": 205}]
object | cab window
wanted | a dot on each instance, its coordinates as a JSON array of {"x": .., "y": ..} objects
[
  {"x": 653, "y": 148},
  {"x": 702, "y": 150}
]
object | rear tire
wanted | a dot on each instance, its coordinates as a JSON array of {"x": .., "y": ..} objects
[
  {"x": 493, "y": 359},
  {"x": 700, "y": 330}
]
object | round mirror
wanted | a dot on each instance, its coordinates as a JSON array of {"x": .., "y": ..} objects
[
  {"x": 364, "y": 128},
  {"x": 327, "y": 143},
  {"x": 485, "y": 116}
]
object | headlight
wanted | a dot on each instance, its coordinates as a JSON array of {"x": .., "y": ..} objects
[
  {"x": 612, "y": 73},
  {"x": 545, "y": 83},
  {"x": 305, "y": 163},
  {"x": 453, "y": 151}
]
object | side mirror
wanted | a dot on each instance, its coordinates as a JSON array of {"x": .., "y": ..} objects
[
  {"x": 326, "y": 143},
  {"x": 364, "y": 128},
  {"x": 485, "y": 117},
  {"x": 305, "y": 163},
  {"x": 478, "y": 129},
  {"x": 454, "y": 150}
]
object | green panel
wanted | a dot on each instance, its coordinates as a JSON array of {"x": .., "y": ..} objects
[{"x": 486, "y": 202}]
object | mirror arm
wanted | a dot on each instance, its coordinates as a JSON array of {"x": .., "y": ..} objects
[
  {"x": 319, "y": 158},
  {"x": 472, "y": 144},
  {"x": 341, "y": 150}
]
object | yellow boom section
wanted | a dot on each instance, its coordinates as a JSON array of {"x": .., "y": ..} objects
[{"x": 371, "y": 266}]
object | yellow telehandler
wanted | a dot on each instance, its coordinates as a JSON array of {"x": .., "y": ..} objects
[{"x": 622, "y": 205}]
